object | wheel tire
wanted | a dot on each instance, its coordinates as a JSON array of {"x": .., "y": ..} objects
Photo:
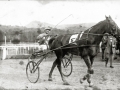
[
  {"x": 32, "y": 72},
  {"x": 66, "y": 69}
]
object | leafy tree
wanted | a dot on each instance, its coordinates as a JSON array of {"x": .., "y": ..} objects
[{"x": 39, "y": 31}]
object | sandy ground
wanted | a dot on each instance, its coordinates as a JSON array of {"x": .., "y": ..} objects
[{"x": 13, "y": 76}]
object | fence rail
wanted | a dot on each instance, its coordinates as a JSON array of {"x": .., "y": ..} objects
[{"x": 23, "y": 49}]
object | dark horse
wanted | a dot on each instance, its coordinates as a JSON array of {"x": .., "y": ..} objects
[
  {"x": 118, "y": 41},
  {"x": 86, "y": 46}
]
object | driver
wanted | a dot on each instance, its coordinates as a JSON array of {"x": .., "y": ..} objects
[{"x": 42, "y": 37}]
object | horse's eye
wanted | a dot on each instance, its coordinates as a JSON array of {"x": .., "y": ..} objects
[{"x": 113, "y": 28}]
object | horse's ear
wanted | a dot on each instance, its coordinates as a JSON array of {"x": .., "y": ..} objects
[
  {"x": 110, "y": 18},
  {"x": 106, "y": 17}
]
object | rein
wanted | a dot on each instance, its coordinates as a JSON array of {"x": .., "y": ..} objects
[
  {"x": 80, "y": 46},
  {"x": 85, "y": 33},
  {"x": 63, "y": 47}
]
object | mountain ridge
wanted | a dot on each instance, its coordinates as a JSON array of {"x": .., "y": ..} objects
[{"x": 38, "y": 24}]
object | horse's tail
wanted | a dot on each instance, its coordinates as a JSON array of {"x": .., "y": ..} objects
[{"x": 50, "y": 43}]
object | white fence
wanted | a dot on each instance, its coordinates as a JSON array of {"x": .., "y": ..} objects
[{"x": 20, "y": 49}]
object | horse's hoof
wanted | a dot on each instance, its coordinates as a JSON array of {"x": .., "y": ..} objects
[
  {"x": 66, "y": 83},
  {"x": 50, "y": 79},
  {"x": 81, "y": 80},
  {"x": 111, "y": 67},
  {"x": 90, "y": 84}
]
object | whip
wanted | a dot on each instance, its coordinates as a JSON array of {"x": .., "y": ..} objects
[{"x": 63, "y": 20}]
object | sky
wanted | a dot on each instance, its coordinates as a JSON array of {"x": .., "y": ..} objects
[{"x": 22, "y": 12}]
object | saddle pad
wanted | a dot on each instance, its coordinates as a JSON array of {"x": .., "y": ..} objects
[{"x": 73, "y": 38}]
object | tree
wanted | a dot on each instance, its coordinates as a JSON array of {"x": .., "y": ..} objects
[
  {"x": 39, "y": 31},
  {"x": 68, "y": 31}
]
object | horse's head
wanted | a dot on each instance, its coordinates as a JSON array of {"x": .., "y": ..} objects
[
  {"x": 118, "y": 35},
  {"x": 118, "y": 40},
  {"x": 112, "y": 26}
]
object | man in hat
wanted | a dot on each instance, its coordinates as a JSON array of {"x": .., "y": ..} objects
[
  {"x": 108, "y": 49},
  {"x": 42, "y": 37},
  {"x": 104, "y": 44}
]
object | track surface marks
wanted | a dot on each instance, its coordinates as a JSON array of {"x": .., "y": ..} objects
[{"x": 13, "y": 75}]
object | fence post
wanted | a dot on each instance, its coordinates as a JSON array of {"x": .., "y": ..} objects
[
  {"x": 100, "y": 46},
  {"x": 4, "y": 53}
]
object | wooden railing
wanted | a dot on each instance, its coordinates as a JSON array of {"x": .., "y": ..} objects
[{"x": 20, "y": 49}]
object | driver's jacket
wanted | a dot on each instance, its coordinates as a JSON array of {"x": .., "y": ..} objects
[{"x": 41, "y": 38}]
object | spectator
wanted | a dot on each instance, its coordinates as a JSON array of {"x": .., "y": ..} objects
[{"x": 108, "y": 49}]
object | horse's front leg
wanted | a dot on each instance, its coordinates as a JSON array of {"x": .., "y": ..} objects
[{"x": 89, "y": 72}]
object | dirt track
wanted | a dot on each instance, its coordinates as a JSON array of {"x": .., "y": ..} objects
[{"x": 13, "y": 76}]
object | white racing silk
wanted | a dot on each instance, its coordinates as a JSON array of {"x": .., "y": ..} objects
[{"x": 74, "y": 37}]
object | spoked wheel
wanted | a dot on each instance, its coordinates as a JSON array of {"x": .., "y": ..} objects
[
  {"x": 66, "y": 66},
  {"x": 32, "y": 72}
]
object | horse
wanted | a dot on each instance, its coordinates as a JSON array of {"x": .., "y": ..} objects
[
  {"x": 86, "y": 45},
  {"x": 118, "y": 41}
]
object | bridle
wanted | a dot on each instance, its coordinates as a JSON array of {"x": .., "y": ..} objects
[{"x": 113, "y": 33}]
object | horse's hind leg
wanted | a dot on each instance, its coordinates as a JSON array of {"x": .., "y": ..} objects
[
  {"x": 60, "y": 54},
  {"x": 59, "y": 68},
  {"x": 57, "y": 62},
  {"x": 51, "y": 71}
]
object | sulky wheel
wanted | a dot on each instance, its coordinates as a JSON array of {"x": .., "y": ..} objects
[
  {"x": 32, "y": 72},
  {"x": 66, "y": 66}
]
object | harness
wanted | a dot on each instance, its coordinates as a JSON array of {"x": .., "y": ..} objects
[
  {"x": 80, "y": 35},
  {"x": 88, "y": 34}
]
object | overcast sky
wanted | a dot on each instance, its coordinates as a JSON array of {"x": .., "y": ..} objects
[{"x": 22, "y": 12}]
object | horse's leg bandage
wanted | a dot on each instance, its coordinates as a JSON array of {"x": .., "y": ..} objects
[{"x": 90, "y": 71}]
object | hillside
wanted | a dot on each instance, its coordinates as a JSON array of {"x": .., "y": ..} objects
[{"x": 38, "y": 24}]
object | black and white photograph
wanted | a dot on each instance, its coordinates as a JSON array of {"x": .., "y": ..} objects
[{"x": 59, "y": 45}]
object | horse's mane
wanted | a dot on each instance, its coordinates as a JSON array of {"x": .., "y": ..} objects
[{"x": 97, "y": 25}]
